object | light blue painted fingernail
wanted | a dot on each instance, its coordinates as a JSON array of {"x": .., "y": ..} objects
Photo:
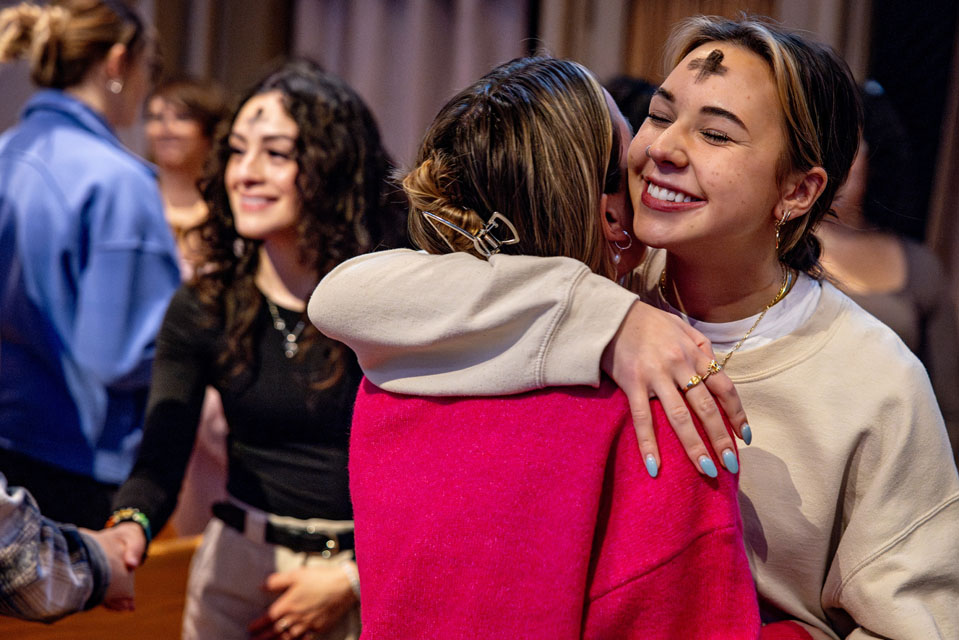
[
  {"x": 706, "y": 464},
  {"x": 747, "y": 433},
  {"x": 729, "y": 459},
  {"x": 651, "y": 467}
]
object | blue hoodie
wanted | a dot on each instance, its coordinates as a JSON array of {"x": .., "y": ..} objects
[{"x": 87, "y": 267}]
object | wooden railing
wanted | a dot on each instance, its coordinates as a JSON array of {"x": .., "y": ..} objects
[{"x": 160, "y": 594}]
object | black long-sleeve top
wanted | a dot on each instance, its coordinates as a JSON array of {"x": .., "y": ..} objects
[{"x": 287, "y": 443}]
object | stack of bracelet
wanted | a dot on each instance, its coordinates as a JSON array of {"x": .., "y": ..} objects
[{"x": 130, "y": 514}]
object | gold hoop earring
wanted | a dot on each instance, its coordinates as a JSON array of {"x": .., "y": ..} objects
[{"x": 780, "y": 224}]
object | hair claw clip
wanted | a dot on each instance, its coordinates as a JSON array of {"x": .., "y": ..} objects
[{"x": 485, "y": 242}]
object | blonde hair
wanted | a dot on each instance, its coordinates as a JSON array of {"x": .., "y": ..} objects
[
  {"x": 822, "y": 112},
  {"x": 532, "y": 140},
  {"x": 63, "y": 40}
]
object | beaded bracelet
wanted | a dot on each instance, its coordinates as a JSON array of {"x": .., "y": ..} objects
[{"x": 131, "y": 515}]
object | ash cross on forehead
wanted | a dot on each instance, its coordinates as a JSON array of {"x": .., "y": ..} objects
[
  {"x": 256, "y": 116},
  {"x": 713, "y": 63}
]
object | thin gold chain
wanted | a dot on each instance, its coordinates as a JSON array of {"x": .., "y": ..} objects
[{"x": 783, "y": 289}]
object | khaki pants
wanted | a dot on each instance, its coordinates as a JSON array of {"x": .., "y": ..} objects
[{"x": 224, "y": 591}]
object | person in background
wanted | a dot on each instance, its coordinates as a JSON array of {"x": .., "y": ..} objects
[
  {"x": 88, "y": 262},
  {"x": 182, "y": 117},
  {"x": 49, "y": 570},
  {"x": 292, "y": 182},
  {"x": 896, "y": 279},
  {"x": 632, "y": 96}
]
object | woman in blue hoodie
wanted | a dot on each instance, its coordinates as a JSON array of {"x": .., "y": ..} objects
[{"x": 88, "y": 262}]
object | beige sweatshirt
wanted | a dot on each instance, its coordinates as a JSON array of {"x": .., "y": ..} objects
[{"x": 849, "y": 494}]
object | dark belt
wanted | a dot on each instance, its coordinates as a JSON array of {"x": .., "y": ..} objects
[{"x": 299, "y": 539}]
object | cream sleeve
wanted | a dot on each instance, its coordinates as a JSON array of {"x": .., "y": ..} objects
[
  {"x": 457, "y": 325},
  {"x": 897, "y": 566}
]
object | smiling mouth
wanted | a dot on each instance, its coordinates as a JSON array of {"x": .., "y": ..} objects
[
  {"x": 660, "y": 198},
  {"x": 254, "y": 203},
  {"x": 668, "y": 195}
]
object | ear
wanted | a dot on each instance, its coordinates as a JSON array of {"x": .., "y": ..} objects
[
  {"x": 611, "y": 220},
  {"x": 117, "y": 62},
  {"x": 802, "y": 190}
]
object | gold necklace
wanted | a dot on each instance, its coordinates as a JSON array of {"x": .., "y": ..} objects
[{"x": 783, "y": 290}]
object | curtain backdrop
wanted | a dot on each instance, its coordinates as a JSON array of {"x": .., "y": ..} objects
[
  {"x": 593, "y": 32},
  {"x": 407, "y": 57},
  {"x": 943, "y": 229}
]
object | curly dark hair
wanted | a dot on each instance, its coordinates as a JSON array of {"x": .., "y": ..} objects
[{"x": 341, "y": 182}]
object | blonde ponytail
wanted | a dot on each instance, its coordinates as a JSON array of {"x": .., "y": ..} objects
[
  {"x": 64, "y": 40},
  {"x": 432, "y": 187},
  {"x": 16, "y": 30}
]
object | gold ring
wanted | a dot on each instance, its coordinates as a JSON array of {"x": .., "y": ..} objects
[
  {"x": 711, "y": 368},
  {"x": 693, "y": 382}
]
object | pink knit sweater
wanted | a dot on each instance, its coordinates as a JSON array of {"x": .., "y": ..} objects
[{"x": 532, "y": 516}]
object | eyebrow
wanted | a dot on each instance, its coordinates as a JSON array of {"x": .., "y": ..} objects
[
  {"x": 663, "y": 93},
  {"x": 708, "y": 110},
  {"x": 271, "y": 138},
  {"x": 723, "y": 113}
]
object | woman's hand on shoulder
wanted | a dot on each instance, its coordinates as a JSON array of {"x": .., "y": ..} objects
[
  {"x": 310, "y": 600},
  {"x": 656, "y": 354}
]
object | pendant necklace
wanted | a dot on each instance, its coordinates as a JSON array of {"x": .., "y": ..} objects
[
  {"x": 783, "y": 290},
  {"x": 290, "y": 348}
]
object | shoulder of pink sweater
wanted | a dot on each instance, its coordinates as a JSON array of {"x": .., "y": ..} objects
[{"x": 787, "y": 630}]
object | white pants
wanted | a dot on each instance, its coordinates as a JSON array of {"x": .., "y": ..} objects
[{"x": 224, "y": 591}]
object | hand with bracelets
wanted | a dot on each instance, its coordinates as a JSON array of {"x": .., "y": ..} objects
[
  {"x": 137, "y": 538},
  {"x": 124, "y": 539}
]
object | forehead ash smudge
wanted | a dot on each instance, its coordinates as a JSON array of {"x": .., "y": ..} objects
[
  {"x": 713, "y": 63},
  {"x": 255, "y": 117}
]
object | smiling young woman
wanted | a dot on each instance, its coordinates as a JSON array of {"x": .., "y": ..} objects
[
  {"x": 849, "y": 494},
  {"x": 701, "y": 176},
  {"x": 290, "y": 188}
]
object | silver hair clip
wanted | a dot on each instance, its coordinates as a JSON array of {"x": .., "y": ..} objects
[{"x": 485, "y": 242}]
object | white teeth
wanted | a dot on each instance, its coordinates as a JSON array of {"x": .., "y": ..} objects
[
  {"x": 254, "y": 201},
  {"x": 661, "y": 193}
]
